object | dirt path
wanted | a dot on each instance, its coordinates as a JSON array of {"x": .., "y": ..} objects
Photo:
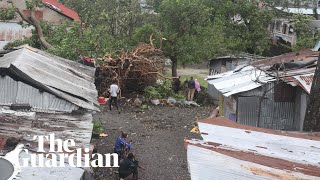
[{"x": 157, "y": 136}]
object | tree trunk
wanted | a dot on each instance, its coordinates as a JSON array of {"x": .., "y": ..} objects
[
  {"x": 312, "y": 118},
  {"x": 39, "y": 30},
  {"x": 174, "y": 66},
  {"x": 32, "y": 20}
]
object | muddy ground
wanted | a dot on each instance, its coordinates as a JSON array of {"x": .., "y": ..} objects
[{"x": 157, "y": 134}]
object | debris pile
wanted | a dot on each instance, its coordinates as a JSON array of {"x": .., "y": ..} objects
[{"x": 134, "y": 70}]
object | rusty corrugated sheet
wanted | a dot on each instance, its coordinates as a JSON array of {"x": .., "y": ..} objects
[
  {"x": 302, "y": 55},
  {"x": 232, "y": 151}
]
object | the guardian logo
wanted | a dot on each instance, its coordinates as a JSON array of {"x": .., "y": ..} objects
[{"x": 60, "y": 153}]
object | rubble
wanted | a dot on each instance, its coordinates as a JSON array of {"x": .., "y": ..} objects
[
  {"x": 137, "y": 102},
  {"x": 155, "y": 102},
  {"x": 171, "y": 100}
]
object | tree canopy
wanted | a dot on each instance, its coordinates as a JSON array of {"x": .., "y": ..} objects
[{"x": 188, "y": 31}]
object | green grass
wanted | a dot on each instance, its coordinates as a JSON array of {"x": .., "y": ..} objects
[{"x": 200, "y": 78}]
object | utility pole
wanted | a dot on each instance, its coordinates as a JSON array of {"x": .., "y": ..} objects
[{"x": 312, "y": 118}]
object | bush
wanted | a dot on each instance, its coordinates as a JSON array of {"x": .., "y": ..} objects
[
  {"x": 97, "y": 127},
  {"x": 161, "y": 91}
]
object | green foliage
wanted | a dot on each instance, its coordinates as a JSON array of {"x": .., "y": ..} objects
[
  {"x": 245, "y": 24},
  {"x": 142, "y": 34},
  {"x": 70, "y": 41},
  {"x": 193, "y": 30},
  {"x": 305, "y": 36},
  {"x": 155, "y": 4},
  {"x": 32, "y": 41},
  {"x": 161, "y": 91},
  {"x": 188, "y": 31},
  {"x": 98, "y": 127},
  {"x": 32, "y": 4},
  {"x": 152, "y": 92},
  {"x": 7, "y": 13}
]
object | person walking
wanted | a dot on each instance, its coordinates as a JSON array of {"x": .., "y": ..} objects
[
  {"x": 114, "y": 90},
  {"x": 191, "y": 89}
]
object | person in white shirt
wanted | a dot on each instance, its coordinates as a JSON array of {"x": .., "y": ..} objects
[{"x": 114, "y": 90}]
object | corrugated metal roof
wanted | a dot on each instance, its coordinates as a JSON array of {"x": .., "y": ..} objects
[
  {"x": 307, "y": 11},
  {"x": 65, "y": 126},
  {"x": 305, "y": 55},
  {"x": 246, "y": 78},
  {"x": 33, "y": 173},
  {"x": 305, "y": 81},
  {"x": 66, "y": 79},
  {"x": 232, "y": 151},
  {"x": 234, "y": 82},
  {"x": 241, "y": 55},
  {"x": 28, "y": 124}
]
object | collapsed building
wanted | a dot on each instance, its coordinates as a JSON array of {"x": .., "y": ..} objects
[{"x": 42, "y": 94}]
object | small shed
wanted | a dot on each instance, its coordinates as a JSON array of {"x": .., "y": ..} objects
[
  {"x": 272, "y": 93},
  {"x": 41, "y": 94}
]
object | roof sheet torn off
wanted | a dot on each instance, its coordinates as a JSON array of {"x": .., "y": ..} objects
[
  {"x": 237, "y": 81},
  {"x": 233, "y": 151}
]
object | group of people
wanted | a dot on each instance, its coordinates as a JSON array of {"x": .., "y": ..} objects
[
  {"x": 192, "y": 85},
  {"x": 194, "y": 88},
  {"x": 128, "y": 165}
]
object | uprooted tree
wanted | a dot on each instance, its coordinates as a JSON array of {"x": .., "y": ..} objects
[{"x": 133, "y": 70}]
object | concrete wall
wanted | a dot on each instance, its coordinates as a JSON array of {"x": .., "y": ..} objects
[{"x": 282, "y": 28}]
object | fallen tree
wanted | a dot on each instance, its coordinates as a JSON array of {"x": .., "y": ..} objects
[{"x": 134, "y": 70}]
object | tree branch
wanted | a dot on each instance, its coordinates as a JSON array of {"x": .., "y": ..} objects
[
  {"x": 24, "y": 17},
  {"x": 37, "y": 25},
  {"x": 32, "y": 20}
]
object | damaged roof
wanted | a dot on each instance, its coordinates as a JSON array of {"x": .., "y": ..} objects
[
  {"x": 17, "y": 130},
  {"x": 241, "y": 55},
  {"x": 28, "y": 124},
  {"x": 233, "y": 151},
  {"x": 61, "y": 77},
  {"x": 294, "y": 68},
  {"x": 236, "y": 81},
  {"x": 305, "y": 55}
]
